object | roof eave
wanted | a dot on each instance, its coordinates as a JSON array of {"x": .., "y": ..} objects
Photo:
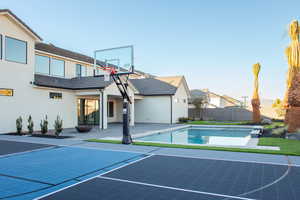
[{"x": 20, "y": 22}]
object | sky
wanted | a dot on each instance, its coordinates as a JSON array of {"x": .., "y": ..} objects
[{"x": 213, "y": 43}]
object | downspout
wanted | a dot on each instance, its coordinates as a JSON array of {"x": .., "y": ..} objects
[
  {"x": 102, "y": 106},
  {"x": 171, "y": 99}
]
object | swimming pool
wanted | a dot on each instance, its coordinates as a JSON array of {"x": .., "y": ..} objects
[{"x": 194, "y": 135}]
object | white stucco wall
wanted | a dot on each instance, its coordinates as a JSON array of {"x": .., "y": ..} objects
[
  {"x": 153, "y": 109},
  {"x": 27, "y": 99},
  {"x": 180, "y": 103}
]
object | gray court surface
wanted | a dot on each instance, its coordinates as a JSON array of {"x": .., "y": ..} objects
[
  {"x": 11, "y": 147},
  {"x": 172, "y": 177}
]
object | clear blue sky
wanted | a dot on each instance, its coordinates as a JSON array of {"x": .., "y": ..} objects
[{"x": 213, "y": 43}]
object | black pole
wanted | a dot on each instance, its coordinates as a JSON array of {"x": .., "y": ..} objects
[{"x": 126, "y": 133}]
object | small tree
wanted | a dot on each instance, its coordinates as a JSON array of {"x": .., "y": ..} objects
[
  {"x": 279, "y": 107},
  {"x": 58, "y": 125},
  {"x": 30, "y": 125},
  {"x": 19, "y": 125},
  {"x": 44, "y": 125},
  {"x": 199, "y": 104}
]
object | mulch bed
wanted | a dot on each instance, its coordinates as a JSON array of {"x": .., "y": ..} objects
[
  {"x": 51, "y": 136},
  {"x": 15, "y": 134}
]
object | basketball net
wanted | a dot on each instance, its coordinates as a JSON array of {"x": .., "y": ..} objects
[{"x": 107, "y": 72}]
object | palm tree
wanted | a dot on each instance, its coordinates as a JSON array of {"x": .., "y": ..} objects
[
  {"x": 255, "y": 99},
  {"x": 293, "y": 56}
]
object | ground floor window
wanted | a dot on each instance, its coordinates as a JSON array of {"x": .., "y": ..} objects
[
  {"x": 88, "y": 112},
  {"x": 110, "y": 109}
]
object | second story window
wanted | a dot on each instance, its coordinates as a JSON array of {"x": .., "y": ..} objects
[
  {"x": 49, "y": 66},
  {"x": 15, "y": 50},
  {"x": 57, "y": 67},
  {"x": 42, "y": 64},
  {"x": 81, "y": 70}
]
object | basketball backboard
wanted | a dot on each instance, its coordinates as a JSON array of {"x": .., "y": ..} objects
[{"x": 119, "y": 58}]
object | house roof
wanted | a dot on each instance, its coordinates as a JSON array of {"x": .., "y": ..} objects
[
  {"x": 50, "y": 48},
  {"x": 78, "y": 83},
  {"x": 153, "y": 87},
  {"x": 232, "y": 100},
  {"x": 7, "y": 11},
  {"x": 172, "y": 80}
]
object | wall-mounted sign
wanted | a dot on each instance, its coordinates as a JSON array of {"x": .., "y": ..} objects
[{"x": 6, "y": 92}]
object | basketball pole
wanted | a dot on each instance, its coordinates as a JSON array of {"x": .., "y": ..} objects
[
  {"x": 122, "y": 86},
  {"x": 126, "y": 133}
]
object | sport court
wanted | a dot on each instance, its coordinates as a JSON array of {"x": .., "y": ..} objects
[{"x": 37, "y": 171}]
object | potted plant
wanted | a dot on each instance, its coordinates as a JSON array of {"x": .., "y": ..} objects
[{"x": 83, "y": 128}]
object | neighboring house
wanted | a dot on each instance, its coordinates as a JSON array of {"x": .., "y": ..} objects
[
  {"x": 214, "y": 100},
  {"x": 41, "y": 79}
]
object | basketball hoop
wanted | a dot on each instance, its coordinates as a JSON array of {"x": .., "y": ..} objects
[{"x": 109, "y": 70}]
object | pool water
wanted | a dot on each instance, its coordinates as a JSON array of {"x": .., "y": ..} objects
[{"x": 214, "y": 136}]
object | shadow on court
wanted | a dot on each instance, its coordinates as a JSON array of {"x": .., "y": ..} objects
[{"x": 10, "y": 147}]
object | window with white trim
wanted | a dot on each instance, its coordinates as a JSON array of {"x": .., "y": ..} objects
[
  {"x": 81, "y": 70},
  {"x": 110, "y": 109},
  {"x": 49, "y": 66},
  {"x": 15, "y": 50}
]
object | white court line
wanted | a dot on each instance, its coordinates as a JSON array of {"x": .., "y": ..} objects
[
  {"x": 186, "y": 156},
  {"x": 108, "y": 149},
  {"x": 174, "y": 188},
  {"x": 231, "y": 160},
  {"x": 270, "y": 184},
  {"x": 24, "y": 152},
  {"x": 37, "y": 198}
]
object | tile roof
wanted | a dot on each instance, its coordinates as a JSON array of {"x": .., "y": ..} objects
[
  {"x": 77, "y": 83},
  {"x": 153, "y": 87},
  {"x": 50, "y": 48}
]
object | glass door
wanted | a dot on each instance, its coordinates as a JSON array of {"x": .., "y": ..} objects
[{"x": 88, "y": 112}]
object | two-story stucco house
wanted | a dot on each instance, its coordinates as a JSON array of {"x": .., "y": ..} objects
[{"x": 40, "y": 79}]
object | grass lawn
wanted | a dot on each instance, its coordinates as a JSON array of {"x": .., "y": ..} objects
[
  {"x": 287, "y": 147},
  {"x": 274, "y": 125},
  {"x": 218, "y": 123}
]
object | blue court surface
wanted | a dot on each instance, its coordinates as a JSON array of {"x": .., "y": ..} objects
[
  {"x": 54, "y": 172},
  {"x": 37, "y": 172}
]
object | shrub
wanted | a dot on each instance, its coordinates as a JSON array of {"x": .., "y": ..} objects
[
  {"x": 44, "y": 125},
  {"x": 19, "y": 125},
  {"x": 30, "y": 125},
  {"x": 58, "y": 125},
  {"x": 279, "y": 132},
  {"x": 183, "y": 119}
]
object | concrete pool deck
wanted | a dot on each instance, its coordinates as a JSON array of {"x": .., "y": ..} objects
[{"x": 114, "y": 132}]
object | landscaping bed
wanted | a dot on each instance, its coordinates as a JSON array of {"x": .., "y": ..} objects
[
  {"x": 51, "y": 136},
  {"x": 15, "y": 134}
]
